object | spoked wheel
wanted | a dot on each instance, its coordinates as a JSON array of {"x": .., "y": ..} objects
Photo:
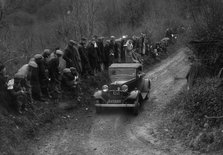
[{"x": 137, "y": 107}]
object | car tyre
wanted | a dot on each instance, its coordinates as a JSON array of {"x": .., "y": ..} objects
[{"x": 137, "y": 107}]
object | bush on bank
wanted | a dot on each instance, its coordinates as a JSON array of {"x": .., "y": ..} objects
[{"x": 188, "y": 120}]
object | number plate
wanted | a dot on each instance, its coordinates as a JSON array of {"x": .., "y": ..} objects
[
  {"x": 116, "y": 92},
  {"x": 114, "y": 101}
]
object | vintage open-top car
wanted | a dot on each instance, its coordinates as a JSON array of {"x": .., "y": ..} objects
[{"x": 128, "y": 88}]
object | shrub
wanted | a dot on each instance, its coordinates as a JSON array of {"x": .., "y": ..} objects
[
  {"x": 187, "y": 120},
  {"x": 207, "y": 34},
  {"x": 204, "y": 99}
]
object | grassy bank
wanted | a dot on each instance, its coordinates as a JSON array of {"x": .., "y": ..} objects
[{"x": 188, "y": 116}]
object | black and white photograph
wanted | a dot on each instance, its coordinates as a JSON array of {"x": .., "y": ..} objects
[{"x": 111, "y": 77}]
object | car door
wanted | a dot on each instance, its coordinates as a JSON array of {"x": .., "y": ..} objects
[{"x": 132, "y": 84}]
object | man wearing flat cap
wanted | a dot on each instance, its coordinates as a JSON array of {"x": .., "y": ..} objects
[
  {"x": 93, "y": 55},
  {"x": 114, "y": 48},
  {"x": 54, "y": 73},
  {"x": 101, "y": 53},
  {"x": 43, "y": 77},
  {"x": 35, "y": 80},
  {"x": 95, "y": 41},
  {"x": 122, "y": 48},
  {"x": 107, "y": 60},
  {"x": 72, "y": 56},
  {"x": 82, "y": 49}
]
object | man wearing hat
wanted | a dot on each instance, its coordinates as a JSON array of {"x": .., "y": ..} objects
[
  {"x": 95, "y": 41},
  {"x": 54, "y": 73},
  {"x": 70, "y": 81},
  {"x": 33, "y": 76},
  {"x": 122, "y": 48},
  {"x": 142, "y": 45},
  {"x": 46, "y": 53},
  {"x": 72, "y": 56},
  {"x": 77, "y": 57},
  {"x": 114, "y": 49},
  {"x": 84, "y": 58},
  {"x": 43, "y": 77},
  {"x": 68, "y": 77},
  {"x": 93, "y": 55},
  {"x": 46, "y": 56},
  {"x": 23, "y": 75},
  {"x": 107, "y": 54},
  {"x": 131, "y": 55},
  {"x": 69, "y": 54},
  {"x": 101, "y": 53},
  {"x": 22, "y": 90}
]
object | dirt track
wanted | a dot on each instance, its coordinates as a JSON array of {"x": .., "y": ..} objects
[{"x": 116, "y": 132}]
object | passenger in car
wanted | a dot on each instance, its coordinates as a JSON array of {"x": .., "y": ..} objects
[{"x": 131, "y": 55}]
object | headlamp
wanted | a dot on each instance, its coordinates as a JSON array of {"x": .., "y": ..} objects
[
  {"x": 105, "y": 88},
  {"x": 124, "y": 88}
]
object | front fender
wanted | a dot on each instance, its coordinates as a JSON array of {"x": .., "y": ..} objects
[
  {"x": 98, "y": 96},
  {"x": 133, "y": 94},
  {"x": 146, "y": 85}
]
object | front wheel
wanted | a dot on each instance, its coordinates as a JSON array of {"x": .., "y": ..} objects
[{"x": 137, "y": 107}]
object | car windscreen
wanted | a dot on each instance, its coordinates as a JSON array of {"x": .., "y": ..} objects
[{"x": 122, "y": 74}]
